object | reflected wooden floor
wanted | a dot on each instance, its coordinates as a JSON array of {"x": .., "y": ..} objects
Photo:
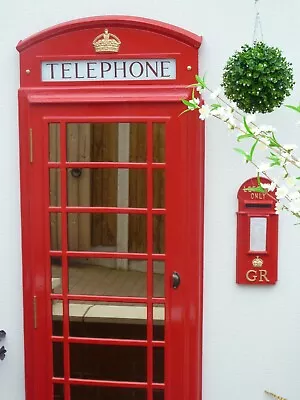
[{"x": 103, "y": 281}]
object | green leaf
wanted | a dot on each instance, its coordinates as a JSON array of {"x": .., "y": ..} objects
[
  {"x": 295, "y": 108},
  {"x": 247, "y": 127},
  {"x": 241, "y": 137},
  {"x": 189, "y": 104},
  {"x": 252, "y": 150},
  {"x": 241, "y": 151},
  {"x": 201, "y": 81},
  {"x": 257, "y": 189}
]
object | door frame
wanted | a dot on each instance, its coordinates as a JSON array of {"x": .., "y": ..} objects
[{"x": 192, "y": 150}]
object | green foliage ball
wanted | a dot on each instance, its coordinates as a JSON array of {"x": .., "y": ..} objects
[{"x": 258, "y": 78}]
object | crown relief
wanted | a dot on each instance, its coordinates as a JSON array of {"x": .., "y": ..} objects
[
  {"x": 257, "y": 262},
  {"x": 106, "y": 42}
]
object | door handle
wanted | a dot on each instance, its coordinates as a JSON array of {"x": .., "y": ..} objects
[{"x": 175, "y": 280}]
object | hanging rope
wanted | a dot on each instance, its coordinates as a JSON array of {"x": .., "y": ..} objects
[{"x": 257, "y": 32}]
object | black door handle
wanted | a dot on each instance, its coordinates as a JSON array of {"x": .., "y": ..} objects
[{"x": 175, "y": 280}]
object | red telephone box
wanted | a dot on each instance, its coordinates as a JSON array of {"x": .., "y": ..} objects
[
  {"x": 257, "y": 236},
  {"x": 112, "y": 211}
]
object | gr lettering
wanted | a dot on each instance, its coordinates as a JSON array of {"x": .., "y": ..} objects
[{"x": 260, "y": 275}]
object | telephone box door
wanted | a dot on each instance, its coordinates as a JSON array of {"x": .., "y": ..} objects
[{"x": 112, "y": 260}]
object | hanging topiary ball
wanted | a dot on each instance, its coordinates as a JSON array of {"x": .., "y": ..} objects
[{"x": 258, "y": 78}]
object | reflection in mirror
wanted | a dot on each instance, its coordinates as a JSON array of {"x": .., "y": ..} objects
[
  {"x": 107, "y": 232},
  {"x": 54, "y": 142},
  {"x": 158, "y": 278},
  {"x": 158, "y": 394},
  {"x": 108, "y": 277},
  {"x": 158, "y": 322},
  {"x": 57, "y": 318},
  {"x": 158, "y": 364},
  {"x": 56, "y": 274},
  {"x": 107, "y": 393},
  {"x": 54, "y": 192},
  {"x": 158, "y": 142},
  {"x": 108, "y": 320},
  {"x": 112, "y": 363},
  {"x": 159, "y": 234},
  {"x": 55, "y": 231},
  {"x": 106, "y": 142},
  {"x": 106, "y": 187},
  {"x": 158, "y": 188},
  {"x": 58, "y": 392},
  {"x": 58, "y": 359}
]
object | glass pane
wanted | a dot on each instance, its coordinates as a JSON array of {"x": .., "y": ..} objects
[
  {"x": 159, "y": 322},
  {"x": 258, "y": 233},
  {"x": 54, "y": 142},
  {"x": 56, "y": 275},
  {"x": 158, "y": 394},
  {"x": 107, "y": 393},
  {"x": 54, "y": 189},
  {"x": 107, "y": 187},
  {"x": 158, "y": 188},
  {"x": 55, "y": 231},
  {"x": 108, "y": 320},
  {"x": 107, "y": 232},
  {"x": 57, "y": 318},
  {"x": 58, "y": 392},
  {"x": 106, "y": 142},
  {"x": 107, "y": 277},
  {"x": 117, "y": 363},
  {"x": 158, "y": 142},
  {"x": 159, "y": 234},
  {"x": 58, "y": 360},
  {"x": 159, "y": 279},
  {"x": 158, "y": 364}
]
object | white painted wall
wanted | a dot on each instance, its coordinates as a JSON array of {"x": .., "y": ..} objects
[{"x": 251, "y": 335}]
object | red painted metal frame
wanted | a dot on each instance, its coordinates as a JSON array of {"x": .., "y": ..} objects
[
  {"x": 41, "y": 102},
  {"x": 244, "y": 256}
]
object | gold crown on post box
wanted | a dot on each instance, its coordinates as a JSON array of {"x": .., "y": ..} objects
[
  {"x": 106, "y": 42},
  {"x": 257, "y": 262}
]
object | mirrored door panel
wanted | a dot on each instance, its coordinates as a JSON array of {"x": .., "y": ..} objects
[{"x": 107, "y": 259}]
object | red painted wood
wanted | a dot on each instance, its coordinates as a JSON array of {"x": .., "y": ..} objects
[
  {"x": 42, "y": 102},
  {"x": 246, "y": 273},
  {"x": 115, "y": 21}
]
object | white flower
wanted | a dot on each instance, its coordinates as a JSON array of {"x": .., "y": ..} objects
[
  {"x": 294, "y": 195},
  {"x": 199, "y": 89},
  {"x": 263, "y": 167},
  {"x": 269, "y": 186},
  {"x": 195, "y": 101},
  {"x": 215, "y": 93},
  {"x": 278, "y": 207},
  {"x": 250, "y": 118},
  {"x": 256, "y": 131},
  {"x": 267, "y": 128},
  {"x": 263, "y": 143},
  {"x": 281, "y": 192},
  {"x": 204, "y": 112},
  {"x": 290, "y": 147},
  {"x": 218, "y": 112},
  {"x": 294, "y": 206},
  {"x": 231, "y": 124},
  {"x": 290, "y": 181}
]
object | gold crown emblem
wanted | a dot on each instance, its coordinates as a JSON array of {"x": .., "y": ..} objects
[
  {"x": 106, "y": 42},
  {"x": 257, "y": 262}
]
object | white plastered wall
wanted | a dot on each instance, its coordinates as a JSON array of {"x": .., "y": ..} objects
[{"x": 251, "y": 335}]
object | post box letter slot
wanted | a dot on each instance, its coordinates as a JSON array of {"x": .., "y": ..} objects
[
  {"x": 258, "y": 233},
  {"x": 258, "y": 205}
]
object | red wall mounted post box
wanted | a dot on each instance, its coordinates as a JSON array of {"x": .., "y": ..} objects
[{"x": 257, "y": 236}]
